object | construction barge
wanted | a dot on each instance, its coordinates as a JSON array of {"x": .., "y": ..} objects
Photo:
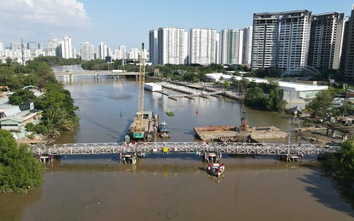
[
  {"x": 234, "y": 134},
  {"x": 145, "y": 123},
  {"x": 242, "y": 133},
  {"x": 149, "y": 127}
]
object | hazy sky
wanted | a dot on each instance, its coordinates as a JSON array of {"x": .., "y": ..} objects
[{"x": 128, "y": 22}]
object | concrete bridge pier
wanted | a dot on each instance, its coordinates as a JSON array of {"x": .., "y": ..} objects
[
  {"x": 211, "y": 157},
  {"x": 45, "y": 159},
  {"x": 128, "y": 158}
]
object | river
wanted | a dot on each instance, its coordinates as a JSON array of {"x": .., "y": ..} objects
[{"x": 171, "y": 187}]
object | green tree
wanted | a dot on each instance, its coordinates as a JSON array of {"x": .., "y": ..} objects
[
  {"x": 346, "y": 106},
  {"x": 321, "y": 104},
  {"x": 20, "y": 96},
  {"x": 19, "y": 170},
  {"x": 255, "y": 98},
  {"x": 227, "y": 84},
  {"x": 275, "y": 101}
]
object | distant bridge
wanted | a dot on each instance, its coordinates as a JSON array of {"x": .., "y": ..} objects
[
  {"x": 93, "y": 73},
  {"x": 182, "y": 147}
]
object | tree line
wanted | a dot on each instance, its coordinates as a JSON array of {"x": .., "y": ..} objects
[
  {"x": 56, "y": 103},
  {"x": 19, "y": 170}
]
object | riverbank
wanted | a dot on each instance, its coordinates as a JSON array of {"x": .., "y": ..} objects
[{"x": 312, "y": 134}]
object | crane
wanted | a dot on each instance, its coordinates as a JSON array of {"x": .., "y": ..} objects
[{"x": 139, "y": 131}]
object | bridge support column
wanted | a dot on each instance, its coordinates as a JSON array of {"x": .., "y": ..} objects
[
  {"x": 211, "y": 157},
  {"x": 130, "y": 158}
]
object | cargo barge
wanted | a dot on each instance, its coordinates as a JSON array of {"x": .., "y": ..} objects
[{"x": 242, "y": 133}]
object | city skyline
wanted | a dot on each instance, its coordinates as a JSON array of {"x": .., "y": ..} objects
[{"x": 128, "y": 23}]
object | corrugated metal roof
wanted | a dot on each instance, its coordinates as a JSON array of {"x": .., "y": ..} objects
[{"x": 290, "y": 86}]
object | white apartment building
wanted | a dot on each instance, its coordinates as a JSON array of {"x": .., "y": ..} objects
[
  {"x": 87, "y": 51},
  {"x": 15, "y": 45},
  {"x": 102, "y": 51},
  {"x": 52, "y": 47},
  {"x": 247, "y": 46},
  {"x": 120, "y": 53},
  {"x": 294, "y": 39},
  {"x": 231, "y": 46},
  {"x": 218, "y": 48},
  {"x": 65, "y": 48},
  {"x": 134, "y": 54},
  {"x": 172, "y": 46},
  {"x": 202, "y": 46}
]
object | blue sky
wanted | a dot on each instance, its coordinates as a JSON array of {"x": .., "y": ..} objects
[{"x": 128, "y": 22}]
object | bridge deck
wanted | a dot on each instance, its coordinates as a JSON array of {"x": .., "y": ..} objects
[{"x": 182, "y": 147}]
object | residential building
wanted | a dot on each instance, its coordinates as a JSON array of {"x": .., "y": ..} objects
[
  {"x": 172, "y": 46},
  {"x": 153, "y": 46},
  {"x": 231, "y": 46},
  {"x": 87, "y": 51},
  {"x": 265, "y": 40},
  {"x": 344, "y": 45},
  {"x": 202, "y": 46},
  {"x": 15, "y": 45},
  {"x": 120, "y": 53},
  {"x": 349, "y": 49},
  {"x": 294, "y": 37},
  {"x": 52, "y": 47},
  {"x": 247, "y": 46},
  {"x": 64, "y": 48},
  {"x": 281, "y": 40},
  {"x": 102, "y": 51},
  {"x": 218, "y": 48},
  {"x": 326, "y": 40},
  {"x": 134, "y": 54}
]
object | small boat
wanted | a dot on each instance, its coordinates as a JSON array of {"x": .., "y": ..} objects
[
  {"x": 216, "y": 169},
  {"x": 163, "y": 130}
]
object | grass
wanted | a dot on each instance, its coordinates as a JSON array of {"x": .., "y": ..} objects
[{"x": 170, "y": 113}]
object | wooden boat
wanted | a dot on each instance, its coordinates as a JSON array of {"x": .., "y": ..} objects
[
  {"x": 163, "y": 130},
  {"x": 216, "y": 169}
]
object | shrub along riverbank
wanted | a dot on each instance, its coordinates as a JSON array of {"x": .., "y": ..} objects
[
  {"x": 19, "y": 170},
  {"x": 341, "y": 168}
]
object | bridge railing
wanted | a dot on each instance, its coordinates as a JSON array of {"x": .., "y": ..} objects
[{"x": 182, "y": 147}]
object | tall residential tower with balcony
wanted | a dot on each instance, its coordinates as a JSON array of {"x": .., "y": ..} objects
[
  {"x": 326, "y": 40},
  {"x": 265, "y": 40},
  {"x": 294, "y": 39},
  {"x": 281, "y": 40}
]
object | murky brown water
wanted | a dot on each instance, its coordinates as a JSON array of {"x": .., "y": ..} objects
[
  {"x": 170, "y": 187},
  {"x": 178, "y": 189}
]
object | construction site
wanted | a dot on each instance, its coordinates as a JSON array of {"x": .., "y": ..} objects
[{"x": 145, "y": 123}]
